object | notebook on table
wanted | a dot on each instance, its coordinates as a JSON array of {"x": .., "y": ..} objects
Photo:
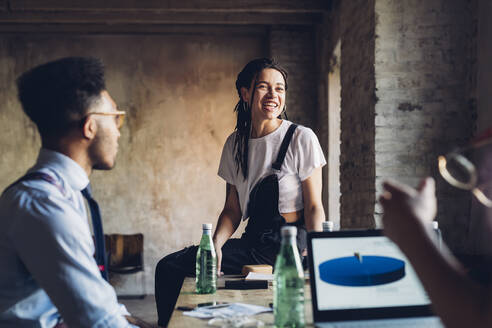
[{"x": 361, "y": 279}]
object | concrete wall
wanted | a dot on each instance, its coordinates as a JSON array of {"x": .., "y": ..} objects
[
  {"x": 179, "y": 93},
  {"x": 172, "y": 66}
]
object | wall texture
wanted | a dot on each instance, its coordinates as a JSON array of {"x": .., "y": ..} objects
[
  {"x": 328, "y": 114},
  {"x": 357, "y": 166},
  {"x": 408, "y": 77},
  {"x": 294, "y": 49},
  {"x": 425, "y": 65},
  {"x": 178, "y": 91}
]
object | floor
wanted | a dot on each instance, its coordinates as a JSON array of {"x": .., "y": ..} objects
[{"x": 142, "y": 308}]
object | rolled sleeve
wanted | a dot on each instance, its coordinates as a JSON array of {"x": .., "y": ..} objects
[
  {"x": 309, "y": 155},
  {"x": 54, "y": 243},
  {"x": 227, "y": 167}
]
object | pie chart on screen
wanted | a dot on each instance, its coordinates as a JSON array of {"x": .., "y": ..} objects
[{"x": 357, "y": 270}]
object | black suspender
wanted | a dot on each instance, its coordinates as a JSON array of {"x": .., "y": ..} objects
[
  {"x": 38, "y": 176},
  {"x": 101, "y": 257},
  {"x": 283, "y": 147}
]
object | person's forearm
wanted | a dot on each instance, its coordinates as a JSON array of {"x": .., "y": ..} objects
[
  {"x": 226, "y": 226},
  {"x": 314, "y": 216},
  {"x": 458, "y": 300},
  {"x": 138, "y": 322}
]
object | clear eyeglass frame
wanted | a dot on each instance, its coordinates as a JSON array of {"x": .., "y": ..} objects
[
  {"x": 472, "y": 182},
  {"x": 119, "y": 116}
]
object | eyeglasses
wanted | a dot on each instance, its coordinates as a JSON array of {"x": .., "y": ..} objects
[
  {"x": 459, "y": 171},
  {"x": 119, "y": 116}
]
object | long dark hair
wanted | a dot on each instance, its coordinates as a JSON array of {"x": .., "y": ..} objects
[{"x": 244, "y": 79}]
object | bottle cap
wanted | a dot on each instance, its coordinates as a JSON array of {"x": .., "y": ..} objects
[
  {"x": 328, "y": 226},
  {"x": 207, "y": 226},
  {"x": 435, "y": 225},
  {"x": 288, "y": 231}
]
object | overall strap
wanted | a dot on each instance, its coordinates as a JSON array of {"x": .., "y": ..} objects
[
  {"x": 38, "y": 176},
  {"x": 283, "y": 147}
]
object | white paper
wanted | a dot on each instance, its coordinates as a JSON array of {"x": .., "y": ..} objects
[
  {"x": 227, "y": 311},
  {"x": 259, "y": 276}
]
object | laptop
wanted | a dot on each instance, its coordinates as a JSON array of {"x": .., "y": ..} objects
[{"x": 361, "y": 279}]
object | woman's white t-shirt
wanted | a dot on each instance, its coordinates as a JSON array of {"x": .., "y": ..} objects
[{"x": 303, "y": 156}]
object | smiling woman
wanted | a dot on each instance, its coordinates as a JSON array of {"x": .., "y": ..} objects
[
  {"x": 267, "y": 99},
  {"x": 272, "y": 169}
]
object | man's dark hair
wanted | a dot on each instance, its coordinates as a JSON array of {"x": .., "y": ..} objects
[{"x": 57, "y": 95}]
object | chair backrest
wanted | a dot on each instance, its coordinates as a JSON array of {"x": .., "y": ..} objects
[{"x": 124, "y": 250}]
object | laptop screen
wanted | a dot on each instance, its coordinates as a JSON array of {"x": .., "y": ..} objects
[{"x": 361, "y": 270}]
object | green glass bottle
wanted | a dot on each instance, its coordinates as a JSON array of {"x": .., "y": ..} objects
[
  {"x": 206, "y": 263},
  {"x": 288, "y": 283}
]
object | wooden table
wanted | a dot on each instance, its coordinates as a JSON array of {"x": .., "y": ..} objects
[{"x": 262, "y": 297}]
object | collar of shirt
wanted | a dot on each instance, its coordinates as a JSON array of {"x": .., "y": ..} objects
[{"x": 72, "y": 172}]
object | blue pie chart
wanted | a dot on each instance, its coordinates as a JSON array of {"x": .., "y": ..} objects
[{"x": 368, "y": 270}]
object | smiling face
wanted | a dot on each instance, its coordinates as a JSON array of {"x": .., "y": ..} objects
[{"x": 268, "y": 95}]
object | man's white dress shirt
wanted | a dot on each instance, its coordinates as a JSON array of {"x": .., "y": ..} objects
[{"x": 47, "y": 268}]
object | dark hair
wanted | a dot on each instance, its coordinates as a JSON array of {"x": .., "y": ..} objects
[
  {"x": 243, "y": 125},
  {"x": 58, "y": 94}
]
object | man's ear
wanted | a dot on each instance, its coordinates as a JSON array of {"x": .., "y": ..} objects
[
  {"x": 89, "y": 127},
  {"x": 245, "y": 94}
]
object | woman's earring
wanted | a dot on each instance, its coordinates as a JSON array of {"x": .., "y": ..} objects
[
  {"x": 284, "y": 111},
  {"x": 245, "y": 107}
]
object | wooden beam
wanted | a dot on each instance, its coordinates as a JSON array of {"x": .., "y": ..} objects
[
  {"x": 146, "y": 17},
  {"x": 172, "y": 5},
  {"x": 135, "y": 29}
]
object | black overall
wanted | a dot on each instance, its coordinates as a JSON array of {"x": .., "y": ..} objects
[{"x": 259, "y": 244}]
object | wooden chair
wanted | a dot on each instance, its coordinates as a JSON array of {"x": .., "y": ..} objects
[{"x": 126, "y": 257}]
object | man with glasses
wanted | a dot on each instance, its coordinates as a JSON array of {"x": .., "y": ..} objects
[
  {"x": 48, "y": 275},
  {"x": 408, "y": 213}
]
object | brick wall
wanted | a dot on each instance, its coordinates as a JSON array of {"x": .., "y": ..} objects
[
  {"x": 294, "y": 48},
  {"x": 425, "y": 81},
  {"x": 357, "y": 161},
  {"x": 408, "y": 74}
]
